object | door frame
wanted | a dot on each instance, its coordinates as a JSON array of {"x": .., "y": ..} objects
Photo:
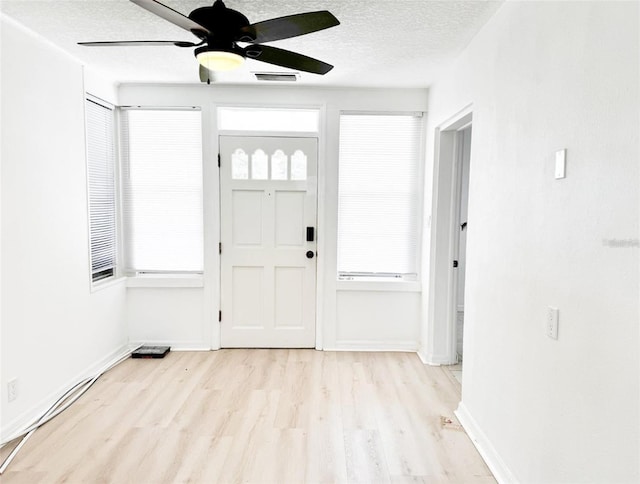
[
  {"x": 444, "y": 241},
  {"x": 320, "y": 243}
]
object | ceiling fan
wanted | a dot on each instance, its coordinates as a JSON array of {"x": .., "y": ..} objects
[{"x": 220, "y": 29}]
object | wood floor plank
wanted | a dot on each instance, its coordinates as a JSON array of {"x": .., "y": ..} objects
[
  {"x": 258, "y": 416},
  {"x": 365, "y": 457},
  {"x": 326, "y": 456}
]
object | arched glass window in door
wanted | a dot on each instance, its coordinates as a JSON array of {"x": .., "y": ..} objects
[
  {"x": 239, "y": 165},
  {"x": 298, "y": 166},
  {"x": 259, "y": 165},
  {"x": 279, "y": 165}
]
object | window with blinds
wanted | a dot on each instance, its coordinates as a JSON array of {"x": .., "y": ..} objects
[
  {"x": 379, "y": 195},
  {"x": 162, "y": 190},
  {"x": 102, "y": 190}
]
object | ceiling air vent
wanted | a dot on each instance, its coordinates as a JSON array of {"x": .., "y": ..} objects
[{"x": 277, "y": 76}]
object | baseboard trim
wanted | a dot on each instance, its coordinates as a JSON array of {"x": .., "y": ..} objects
[
  {"x": 188, "y": 348},
  {"x": 29, "y": 416},
  {"x": 360, "y": 345},
  {"x": 435, "y": 360},
  {"x": 496, "y": 465},
  {"x": 176, "y": 345}
]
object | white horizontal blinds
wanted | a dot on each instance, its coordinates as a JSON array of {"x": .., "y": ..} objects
[
  {"x": 378, "y": 201},
  {"x": 101, "y": 179},
  {"x": 162, "y": 179}
]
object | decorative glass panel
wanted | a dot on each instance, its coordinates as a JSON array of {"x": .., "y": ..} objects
[
  {"x": 299, "y": 166},
  {"x": 279, "y": 165},
  {"x": 239, "y": 165},
  {"x": 259, "y": 165}
]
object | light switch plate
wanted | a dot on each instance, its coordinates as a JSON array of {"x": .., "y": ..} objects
[{"x": 561, "y": 163}]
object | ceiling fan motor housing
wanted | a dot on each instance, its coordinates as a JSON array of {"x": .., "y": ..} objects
[
  {"x": 220, "y": 47},
  {"x": 224, "y": 23}
]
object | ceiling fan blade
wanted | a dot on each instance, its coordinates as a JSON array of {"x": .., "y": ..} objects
[
  {"x": 137, "y": 43},
  {"x": 173, "y": 16},
  {"x": 287, "y": 27},
  {"x": 286, "y": 58},
  {"x": 206, "y": 75}
]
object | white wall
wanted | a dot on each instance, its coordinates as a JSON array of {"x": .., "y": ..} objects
[
  {"x": 173, "y": 316},
  {"x": 54, "y": 329},
  {"x": 377, "y": 320},
  {"x": 543, "y": 76},
  {"x": 179, "y": 317}
]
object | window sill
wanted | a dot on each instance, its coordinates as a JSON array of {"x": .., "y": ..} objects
[
  {"x": 378, "y": 285},
  {"x": 106, "y": 283},
  {"x": 166, "y": 280}
]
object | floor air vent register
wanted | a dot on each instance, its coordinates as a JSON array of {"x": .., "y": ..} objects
[{"x": 151, "y": 352}]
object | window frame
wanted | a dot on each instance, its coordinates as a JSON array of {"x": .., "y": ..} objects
[
  {"x": 106, "y": 276},
  {"x": 150, "y": 277},
  {"x": 362, "y": 280}
]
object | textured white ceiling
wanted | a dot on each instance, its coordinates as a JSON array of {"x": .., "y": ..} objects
[{"x": 393, "y": 43}]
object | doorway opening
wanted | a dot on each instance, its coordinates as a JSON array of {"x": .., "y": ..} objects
[
  {"x": 268, "y": 180},
  {"x": 449, "y": 229},
  {"x": 463, "y": 148}
]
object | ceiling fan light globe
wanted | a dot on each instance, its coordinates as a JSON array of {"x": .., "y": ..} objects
[{"x": 218, "y": 60}]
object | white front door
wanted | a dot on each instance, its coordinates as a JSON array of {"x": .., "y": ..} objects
[{"x": 268, "y": 193}]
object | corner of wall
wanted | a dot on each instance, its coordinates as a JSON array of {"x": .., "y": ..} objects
[{"x": 491, "y": 457}]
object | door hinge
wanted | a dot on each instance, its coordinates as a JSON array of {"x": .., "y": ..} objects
[
  {"x": 218, "y": 160},
  {"x": 219, "y": 247},
  {"x": 219, "y": 316},
  {"x": 455, "y": 263}
]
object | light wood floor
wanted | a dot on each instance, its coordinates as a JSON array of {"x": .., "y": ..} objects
[{"x": 262, "y": 416}]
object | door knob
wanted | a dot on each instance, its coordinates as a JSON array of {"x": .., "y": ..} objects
[{"x": 310, "y": 254}]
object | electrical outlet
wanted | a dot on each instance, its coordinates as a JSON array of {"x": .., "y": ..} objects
[
  {"x": 12, "y": 389},
  {"x": 552, "y": 322}
]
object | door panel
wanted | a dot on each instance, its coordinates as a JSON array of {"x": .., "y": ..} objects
[
  {"x": 289, "y": 297},
  {"x": 289, "y": 222},
  {"x": 247, "y": 214},
  {"x": 268, "y": 197},
  {"x": 247, "y": 285}
]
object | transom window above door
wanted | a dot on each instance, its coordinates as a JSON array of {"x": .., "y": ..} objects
[
  {"x": 293, "y": 120},
  {"x": 274, "y": 166}
]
